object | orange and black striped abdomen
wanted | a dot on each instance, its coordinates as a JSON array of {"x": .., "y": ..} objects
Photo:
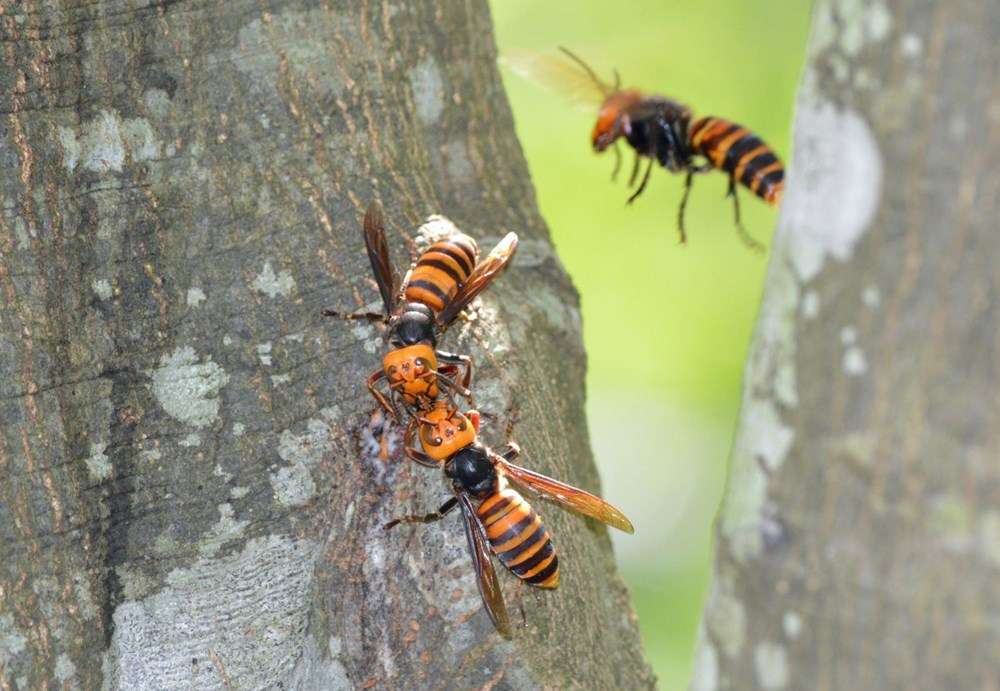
[
  {"x": 519, "y": 539},
  {"x": 742, "y": 154},
  {"x": 441, "y": 270}
]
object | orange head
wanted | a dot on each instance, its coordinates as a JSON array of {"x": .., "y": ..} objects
[
  {"x": 444, "y": 431},
  {"x": 412, "y": 371},
  {"x": 612, "y": 119}
]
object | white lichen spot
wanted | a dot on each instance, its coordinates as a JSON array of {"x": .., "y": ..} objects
[
  {"x": 741, "y": 509},
  {"x": 763, "y": 440},
  {"x": 98, "y": 147},
  {"x": 142, "y": 144},
  {"x": 958, "y": 126},
  {"x": 102, "y": 288},
  {"x": 785, "y": 391},
  {"x": 264, "y": 353},
  {"x": 435, "y": 228},
  {"x": 791, "y": 624},
  {"x": 771, "y": 447},
  {"x": 273, "y": 285},
  {"x": 810, "y": 304},
  {"x": 771, "y": 665},
  {"x": 190, "y": 440},
  {"x": 835, "y": 201},
  {"x": 227, "y": 529},
  {"x": 151, "y": 455},
  {"x": 238, "y": 492},
  {"x": 727, "y": 620},
  {"x": 861, "y": 24},
  {"x": 705, "y": 675},
  {"x": 220, "y": 472},
  {"x": 103, "y": 144},
  {"x": 864, "y": 80},
  {"x": 70, "y": 147},
  {"x": 989, "y": 538},
  {"x": 428, "y": 90},
  {"x": 366, "y": 334},
  {"x": 851, "y": 23},
  {"x": 195, "y": 296},
  {"x": 239, "y": 429},
  {"x": 165, "y": 544},
  {"x": 762, "y": 445},
  {"x": 65, "y": 671},
  {"x": 187, "y": 388},
  {"x": 336, "y": 671},
  {"x": 293, "y": 484},
  {"x": 855, "y": 363},
  {"x": 459, "y": 167},
  {"x": 157, "y": 102},
  {"x": 11, "y": 642},
  {"x": 911, "y": 46},
  {"x": 98, "y": 463},
  {"x": 871, "y": 297},
  {"x": 227, "y": 340},
  {"x": 279, "y": 379},
  {"x": 136, "y": 583},
  {"x": 879, "y": 21},
  {"x": 87, "y": 604}
]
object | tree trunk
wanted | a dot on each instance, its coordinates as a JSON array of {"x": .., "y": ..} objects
[
  {"x": 859, "y": 543},
  {"x": 189, "y": 495}
]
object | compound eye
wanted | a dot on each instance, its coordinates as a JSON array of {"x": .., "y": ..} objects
[{"x": 427, "y": 436}]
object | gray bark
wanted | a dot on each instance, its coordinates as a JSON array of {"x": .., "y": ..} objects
[
  {"x": 189, "y": 496},
  {"x": 859, "y": 542}
]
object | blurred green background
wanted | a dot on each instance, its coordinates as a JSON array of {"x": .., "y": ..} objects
[{"x": 666, "y": 326}]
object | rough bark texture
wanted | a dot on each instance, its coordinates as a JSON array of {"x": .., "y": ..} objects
[
  {"x": 859, "y": 544},
  {"x": 189, "y": 495}
]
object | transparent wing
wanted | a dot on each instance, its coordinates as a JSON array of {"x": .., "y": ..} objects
[
  {"x": 565, "y": 75},
  {"x": 378, "y": 255},
  {"x": 485, "y": 271},
  {"x": 486, "y": 576},
  {"x": 571, "y": 497}
]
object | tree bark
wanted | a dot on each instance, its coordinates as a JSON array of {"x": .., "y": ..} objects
[
  {"x": 859, "y": 542},
  {"x": 189, "y": 492}
]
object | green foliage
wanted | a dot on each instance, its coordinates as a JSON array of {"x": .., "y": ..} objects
[{"x": 666, "y": 326}]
